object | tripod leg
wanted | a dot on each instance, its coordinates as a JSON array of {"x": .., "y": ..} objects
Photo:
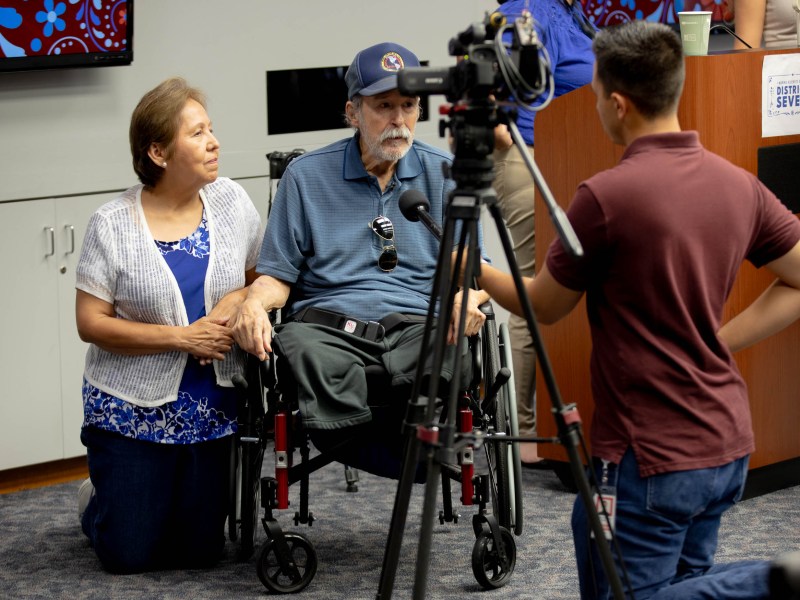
[
  {"x": 426, "y": 526},
  {"x": 399, "y": 513},
  {"x": 411, "y": 454},
  {"x": 442, "y": 447}
]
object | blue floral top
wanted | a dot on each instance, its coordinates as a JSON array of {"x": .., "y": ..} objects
[{"x": 203, "y": 410}]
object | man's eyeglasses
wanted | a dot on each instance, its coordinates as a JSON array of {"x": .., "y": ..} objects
[{"x": 384, "y": 229}]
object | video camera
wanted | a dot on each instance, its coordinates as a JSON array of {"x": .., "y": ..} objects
[
  {"x": 489, "y": 63},
  {"x": 278, "y": 161},
  {"x": 496, "y": 60}
]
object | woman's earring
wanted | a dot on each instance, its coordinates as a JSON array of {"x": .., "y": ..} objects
[{"x": 164, "y": 164}]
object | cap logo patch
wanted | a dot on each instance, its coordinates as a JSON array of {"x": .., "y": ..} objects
[{"x": 391, "y": 61}]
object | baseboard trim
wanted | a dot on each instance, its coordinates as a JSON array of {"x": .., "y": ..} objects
[
  {"x": 49, "y": 473},
  {"x": 771, "y": 478}
]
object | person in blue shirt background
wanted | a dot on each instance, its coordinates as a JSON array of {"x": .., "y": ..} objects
[{"x": 566, "y": 34}]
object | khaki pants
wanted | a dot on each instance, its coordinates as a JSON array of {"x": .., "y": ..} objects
[{"x": 515, "y": 190}]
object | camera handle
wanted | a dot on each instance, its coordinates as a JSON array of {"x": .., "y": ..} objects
[{"x": 439, "y": 440}]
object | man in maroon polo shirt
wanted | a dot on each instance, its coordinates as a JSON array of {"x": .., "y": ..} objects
[{"x": 664, "y": 234}]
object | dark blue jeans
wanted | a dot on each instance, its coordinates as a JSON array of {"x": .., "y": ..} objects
[
  {"x": 667, "y": 528},
  {"x": 156, "y": 506}
]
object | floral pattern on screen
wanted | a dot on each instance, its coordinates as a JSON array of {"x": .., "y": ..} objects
[
  {"x": 605, "y": 13},
  {"x": 46, "y": 27}
]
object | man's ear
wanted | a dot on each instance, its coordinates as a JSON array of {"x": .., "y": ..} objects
[
  {"x": 621, "y": 104},
  {"x": 350, "y": 111}
]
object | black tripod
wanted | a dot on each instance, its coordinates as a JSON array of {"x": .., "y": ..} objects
[{"x": 472, "y": 169}]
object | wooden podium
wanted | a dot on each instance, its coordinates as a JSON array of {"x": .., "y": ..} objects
[{"x": 722, "y": 101}]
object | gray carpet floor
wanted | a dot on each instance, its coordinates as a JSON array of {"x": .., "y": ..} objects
[{"x": 44, "y": 555}]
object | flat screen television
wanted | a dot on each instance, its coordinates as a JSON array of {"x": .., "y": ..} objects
[
  {"x": 605, "y": 13},
  {"x": 51, "y": 34},
  {"x": 312, "y": 99}
]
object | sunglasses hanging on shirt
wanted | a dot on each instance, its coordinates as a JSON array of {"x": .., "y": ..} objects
[{"x": 384, "y": 229}]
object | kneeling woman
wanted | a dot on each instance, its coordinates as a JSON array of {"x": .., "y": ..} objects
[{"x": 161, "y": 270}]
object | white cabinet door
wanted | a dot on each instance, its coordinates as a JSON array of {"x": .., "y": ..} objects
[
  {"x": 30, "y": 395},
  {"x": 258, "y": 190},
  {"x": 72, "y": 216}
]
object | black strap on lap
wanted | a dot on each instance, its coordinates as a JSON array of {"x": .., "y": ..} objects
[
  {"x": 369, "y": 330},
  {"x": 372, "y": 331}
]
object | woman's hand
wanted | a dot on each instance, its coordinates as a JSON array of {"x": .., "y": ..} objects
[{"x": 208, "y": 339}]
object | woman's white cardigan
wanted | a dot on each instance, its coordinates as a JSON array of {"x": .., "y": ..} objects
[{"x": 121, "y": 264}]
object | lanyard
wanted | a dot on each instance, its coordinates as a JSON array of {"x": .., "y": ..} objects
[{"x": 581, "y": 19}]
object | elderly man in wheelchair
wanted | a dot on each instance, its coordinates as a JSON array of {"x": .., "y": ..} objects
[{"x": 349, "y": 274}]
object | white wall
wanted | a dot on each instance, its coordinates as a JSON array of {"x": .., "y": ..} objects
[{"x": 65, "y": 132}]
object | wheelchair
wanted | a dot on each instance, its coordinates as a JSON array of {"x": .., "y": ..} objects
[{"x": 287, "y": 561}]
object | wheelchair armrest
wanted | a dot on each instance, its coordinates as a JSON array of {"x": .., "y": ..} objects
[
  {"x": 265, "y": 368},
  {"x": 487, "y": 309}
]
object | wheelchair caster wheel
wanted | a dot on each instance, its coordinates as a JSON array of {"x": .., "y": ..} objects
[
  {"x": 453, "y": 517},
  {"x": 287, "y": 579},
  {"x": 487, "y": 567}
]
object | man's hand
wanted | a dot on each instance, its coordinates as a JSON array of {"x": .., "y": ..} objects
[
  {"x": 474, "y": 318},
  {"x": 251, "y": 326},
  {"x": 227, "y": 306},
  {"x": 252, "y": 329},
  {"x": 502, "y": 137}
]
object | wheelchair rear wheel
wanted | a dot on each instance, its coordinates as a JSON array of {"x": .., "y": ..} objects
[
  {"x": 233, "y": 494},
  {"x": 249, "y": 455},
  {"x": 497, "y": 454},
  {"x": 515, "y": 480},
  {"x": 252, "y": 455}
]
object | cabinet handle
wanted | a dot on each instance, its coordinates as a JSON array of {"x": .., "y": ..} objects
[
  {"x": 71, "y": 230},
  {"x": 51, "y": 233}
]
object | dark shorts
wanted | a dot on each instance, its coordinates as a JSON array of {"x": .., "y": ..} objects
[{"x": 328, "y": 368}]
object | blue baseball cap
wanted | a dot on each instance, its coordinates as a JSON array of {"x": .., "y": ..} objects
[{"x": 374, "y": 69}]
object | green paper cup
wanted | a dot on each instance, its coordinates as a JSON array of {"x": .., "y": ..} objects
[{"x": 695, "y": 27}]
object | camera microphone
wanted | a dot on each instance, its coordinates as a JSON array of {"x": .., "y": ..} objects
[{"x": 415, "y": 206}]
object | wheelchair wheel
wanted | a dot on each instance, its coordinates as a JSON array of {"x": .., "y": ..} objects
[
  {"x": 496, "y": 408},
  {"x": 283, "y": 579},
  {"x": 513, "y": 429},
  {"x": 251, "y": 441},
  {"x": 250, "y": 500},
  {"x": 488, "y": 568},
  {"x": 233, "y": 494}
]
